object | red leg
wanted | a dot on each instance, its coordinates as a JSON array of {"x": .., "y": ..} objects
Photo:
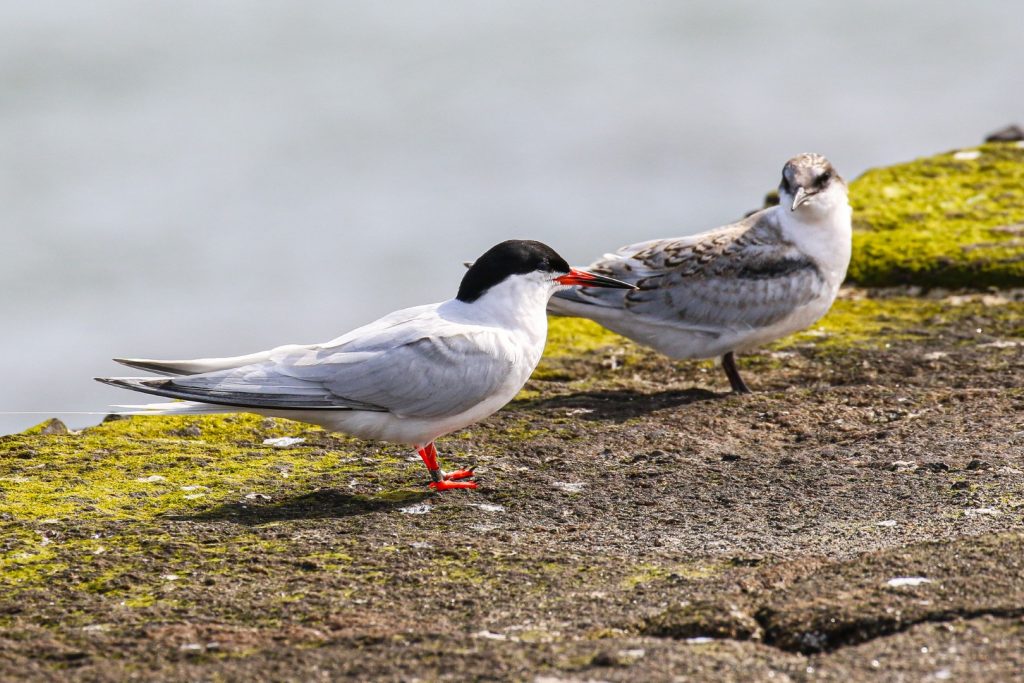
[
  {"x": 429, "y": 455},
  {"x": 442, "y": 481}
]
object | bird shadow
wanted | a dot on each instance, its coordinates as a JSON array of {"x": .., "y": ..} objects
[
  {"x": 322, "y": 504},
  {"x": 622, "y": 404}
]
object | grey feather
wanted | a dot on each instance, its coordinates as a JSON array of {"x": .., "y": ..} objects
[
  {"x": 239, "y": 399},
  {"x": 739, "y": 276},
  {"x": 390, "y": 365},
  {"x": 168, "y": 368}
]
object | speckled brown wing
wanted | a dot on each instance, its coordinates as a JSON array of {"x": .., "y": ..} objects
[{"x": 738, "y": 277}]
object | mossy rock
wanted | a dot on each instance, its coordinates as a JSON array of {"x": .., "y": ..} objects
[{"x": 951, "y": 220}]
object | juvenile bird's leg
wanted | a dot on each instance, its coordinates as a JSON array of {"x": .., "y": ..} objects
[
  {"x": 735, "y": 381},
  {"x": 442, "y": 481}
]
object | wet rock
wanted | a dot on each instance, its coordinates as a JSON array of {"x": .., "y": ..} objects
[
  {"x": 701, "y": 619},
  {"x": 52, "y": 426},
  {"x": 885, "y": 592},
  {"x": 1011, "y": 133},
  {"x": 934, "y": 467},
  {"x": 606, "y": 659},
  {"x": 72, "y": 656},
  {"x": 977, "y": 464}
]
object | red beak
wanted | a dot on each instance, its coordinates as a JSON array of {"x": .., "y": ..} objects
[{"x": 585, "y": 279}]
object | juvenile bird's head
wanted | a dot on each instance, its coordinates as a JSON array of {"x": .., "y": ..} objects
[{"x": 811, "y": 187}]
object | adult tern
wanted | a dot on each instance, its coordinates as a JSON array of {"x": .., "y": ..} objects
[{"x": 410, "y": 377}]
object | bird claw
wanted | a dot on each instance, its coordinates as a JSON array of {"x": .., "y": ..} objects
[
  {"x": 459, "y": 474},
  {"x": 446, "y": 485}
]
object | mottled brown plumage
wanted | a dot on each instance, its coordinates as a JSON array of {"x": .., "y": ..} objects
[{"x": 733, "y": 287}]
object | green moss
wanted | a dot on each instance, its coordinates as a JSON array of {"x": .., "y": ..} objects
[
  {"x": 567, "y": 336},
  {"x": 875, "y": 319},
  {"x": 863, "y": 320},
  {"x": 522, "y": 430},
  {"x": 145, "y": 600},
  {"x": 460, "y": 571},
  {"x": 26, "y": 558},
  {"x": 942, "y": 220},
  {"x": 571, "y": 338},
  {"x": 89, "y": 510},
  {"x": 143, "y": 467},
  {"x": 647, "y": 573}
]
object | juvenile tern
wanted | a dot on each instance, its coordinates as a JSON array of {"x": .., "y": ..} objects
[
  {"x": 410, "y": 377},
  {"x": 735, "y": 287}
]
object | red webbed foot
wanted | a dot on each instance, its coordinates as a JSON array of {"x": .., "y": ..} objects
[
  {"x": 445, "y": 482},
  {"x": 445, "y": 485}
]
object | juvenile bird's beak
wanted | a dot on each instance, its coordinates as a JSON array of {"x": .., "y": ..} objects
[
  {"x": 585, "y": 279},
  {"x": 799, "y": 198}
]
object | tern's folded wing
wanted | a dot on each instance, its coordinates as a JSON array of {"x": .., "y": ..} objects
[
  {"x": 740, "y": 276},
  {"x": 754, "y": 289},
  {"x": 429, "y": 376}
]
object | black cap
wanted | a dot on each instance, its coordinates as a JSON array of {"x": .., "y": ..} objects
[{"x": 511, "y": 257}]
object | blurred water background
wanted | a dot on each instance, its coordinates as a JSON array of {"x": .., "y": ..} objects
[{"x": 185, "y": 179}]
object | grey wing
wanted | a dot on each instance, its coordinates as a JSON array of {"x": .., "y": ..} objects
[
  {"x": 740, "y": 276},
  {"x": 753, "y": 289},
  {"x": 635, "y": 264},
  {"x": 429, "y": 376}
]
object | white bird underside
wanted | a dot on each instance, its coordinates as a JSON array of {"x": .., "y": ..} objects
[{"x": 725, "y": 290}]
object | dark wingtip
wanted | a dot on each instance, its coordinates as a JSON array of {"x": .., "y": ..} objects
[
  {"x": 156, "y": 367},
  {"x": 129, "y": 382}
]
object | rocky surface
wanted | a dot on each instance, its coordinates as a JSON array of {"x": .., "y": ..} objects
[
  {"x": 951, "y": 220},
  {"x": 858, "y": 518}
]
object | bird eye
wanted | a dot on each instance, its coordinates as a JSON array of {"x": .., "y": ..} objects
[{"x": 824, "y": 177}]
